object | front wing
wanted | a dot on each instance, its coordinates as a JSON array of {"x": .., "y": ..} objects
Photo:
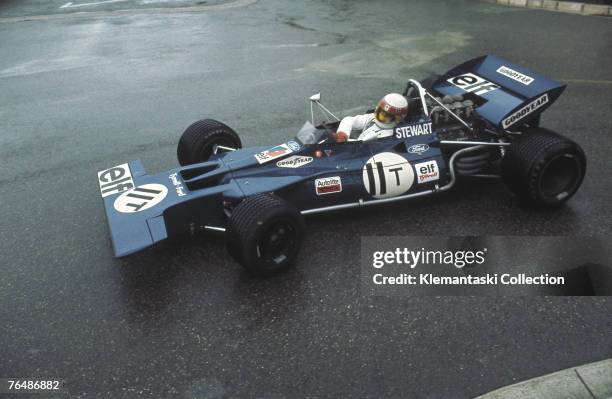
[{"x": 143, "y": 209}]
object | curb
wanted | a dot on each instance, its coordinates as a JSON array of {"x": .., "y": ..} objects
[
  {"x": 571, "y": 7},
  {"x": 589, "y": 381}
]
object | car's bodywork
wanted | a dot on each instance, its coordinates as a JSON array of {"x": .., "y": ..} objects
[{"x": 424, "y": 156}]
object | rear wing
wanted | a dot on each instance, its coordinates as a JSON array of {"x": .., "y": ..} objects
[{"x": 508, "y": 94}]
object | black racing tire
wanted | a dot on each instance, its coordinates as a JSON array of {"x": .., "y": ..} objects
[
  {"x": 265, "y": 234},
  {"x": 543, "y": 168},
  {"x": 198, "y": 141}
]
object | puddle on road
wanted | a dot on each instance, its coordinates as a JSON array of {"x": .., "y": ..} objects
[{"x": 392, "y": 56}]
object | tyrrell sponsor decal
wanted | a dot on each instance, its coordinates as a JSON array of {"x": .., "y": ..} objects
[
  {"x": 427, "y": 171},
  {"x": 405, "y": 132},
  {"x": 515, "y": 75},
  {"x": 273, "y": 153},
  {"x": 293, "y": 145},
  {"x": 387, "y": 175},
  {"x": 294, "y": 162},
  {"x": 418, "y": 149},
  {"x": 140, "y": 198},
  {"x": 328, "y": 185},
  {"x": 526, "y": 110},
  {"x": 178, "y": 184}
]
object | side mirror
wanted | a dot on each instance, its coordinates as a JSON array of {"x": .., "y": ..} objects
[{"x": 316, "y": 99}]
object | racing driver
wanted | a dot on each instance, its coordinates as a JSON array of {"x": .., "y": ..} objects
[{"x": 390, "y": 111}]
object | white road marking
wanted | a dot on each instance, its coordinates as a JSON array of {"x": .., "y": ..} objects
[
  {"x": 95, "y": 3},
  {"x": 133, "y": 11},
  {"x": 44, "y": 65},
  {"x": 295, "y": 45}
]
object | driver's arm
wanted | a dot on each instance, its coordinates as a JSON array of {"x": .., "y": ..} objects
[{"x": 351, "y": 123}]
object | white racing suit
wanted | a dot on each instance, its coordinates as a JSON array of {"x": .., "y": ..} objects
[{"x": 369, "y": 126}]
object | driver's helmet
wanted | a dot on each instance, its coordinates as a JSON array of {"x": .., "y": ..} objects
[{"x": 391, "y": 109}]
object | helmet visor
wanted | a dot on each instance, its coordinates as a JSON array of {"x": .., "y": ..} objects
[{"x": 387, "y": 117}]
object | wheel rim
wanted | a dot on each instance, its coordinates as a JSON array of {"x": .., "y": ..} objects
[
  {"x": 560, "y": 177},
  {"x": 278, "y": 243}
]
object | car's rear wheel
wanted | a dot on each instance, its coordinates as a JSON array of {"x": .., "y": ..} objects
[
  {"x": 265, "y": 234},
  {"x": 543, "y": 168},
  {"x": 203, "y": 139}
]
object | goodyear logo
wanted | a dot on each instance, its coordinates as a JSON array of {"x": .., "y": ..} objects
[{"x": 526, "y": 110}]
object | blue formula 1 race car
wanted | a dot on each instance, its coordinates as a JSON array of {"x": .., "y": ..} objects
[{"x": 479, "y": 119}]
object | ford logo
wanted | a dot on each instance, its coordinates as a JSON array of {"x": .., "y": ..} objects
[{"x": 418, "y": 149}]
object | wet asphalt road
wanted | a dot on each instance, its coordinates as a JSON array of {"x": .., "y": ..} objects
[{"x": 80, "y": 92}]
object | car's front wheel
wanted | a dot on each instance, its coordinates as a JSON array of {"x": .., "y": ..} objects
[
  {"x": 543, "y": 168},
  {"x": 265, "y": 234},
  {"x": 203, "y": 139}
]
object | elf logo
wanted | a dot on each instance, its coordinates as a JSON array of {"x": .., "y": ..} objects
[
  {"x": 473, "y": 83},
  {"x": 140, "y": 198},
  {"x": 115, "y": 180},
  {"x": 387, "y": 175},
  {"x": 427, "y": 171}
]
